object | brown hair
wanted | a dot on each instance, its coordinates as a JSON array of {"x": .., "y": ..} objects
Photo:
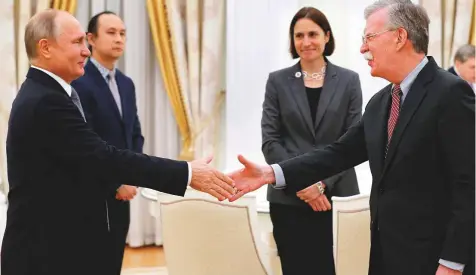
[{"x": 320, "y": 19}]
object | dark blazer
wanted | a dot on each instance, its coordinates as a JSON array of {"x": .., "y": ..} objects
[
  {"x": 102, "y": 113},
  {"x": 121, "y": 131},
  {"x": 55, "y": 219},
  {"x": 453, "y": 71},
  {"x": 422, "y": 198},
  {"x": 287, "y": 126}
]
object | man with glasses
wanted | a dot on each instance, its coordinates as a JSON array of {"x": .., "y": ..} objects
[{"x": 418, "y": 135}]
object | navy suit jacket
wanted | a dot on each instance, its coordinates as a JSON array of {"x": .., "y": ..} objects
[
  {"x": 453, "y": 71},
  {"x": 102, "y": 113}
]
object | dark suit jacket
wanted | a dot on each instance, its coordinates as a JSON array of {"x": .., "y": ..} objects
[
  {"x": 422, "y": 198},
  {"x": 452, "y": 70},
  {"x": 287, "y": 126},
  {"x": 103, "y": 115},
  {"x": 55, "y": 222}
]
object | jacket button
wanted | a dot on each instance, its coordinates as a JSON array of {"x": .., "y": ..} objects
[{"x": 381, "y": 190}]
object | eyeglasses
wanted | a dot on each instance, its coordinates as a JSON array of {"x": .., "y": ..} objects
[{"x": 367, "y": 37}]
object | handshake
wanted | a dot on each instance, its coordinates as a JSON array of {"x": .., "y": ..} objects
[
  {"x": 252, "y": 176},
  {"x": 229, "y": 186},
  {"x": 234, "y": 185}
]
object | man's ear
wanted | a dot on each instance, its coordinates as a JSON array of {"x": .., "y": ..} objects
[
  {"x": 44, "y": 48},
  {"x": 90, "y": 38},
  {"x": 458, "y": 63},
  {"x": 402, "y": 37}
]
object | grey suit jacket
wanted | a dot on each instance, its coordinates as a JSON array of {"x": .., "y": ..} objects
[{"x": 287, "y": 126}]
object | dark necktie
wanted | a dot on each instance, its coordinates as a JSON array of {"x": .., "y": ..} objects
[
  {"x": 394, "y": 113},
  {"x": 77, "y": 102}
]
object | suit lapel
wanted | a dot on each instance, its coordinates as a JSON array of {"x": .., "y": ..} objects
[
  {"x": 104, "y": 93},
  {"x": 299, "y": 94},
  {"x": 410, "y": 105},
  {"x": 328, "y": 91}
]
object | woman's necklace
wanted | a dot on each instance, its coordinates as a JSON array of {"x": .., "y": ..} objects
[{"x": 317, "y": 76}]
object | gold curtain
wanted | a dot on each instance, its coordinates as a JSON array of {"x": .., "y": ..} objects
[
  {"x": 65, "y": 5},
  {"x": 161, "y": 35},
  {"x": 452, "y": 25}
]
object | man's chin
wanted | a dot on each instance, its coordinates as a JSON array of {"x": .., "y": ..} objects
[
  {"x": 116, "y": 55},
  {"x": 79, "y": 73},
  {"x": 373, "y": 73}
]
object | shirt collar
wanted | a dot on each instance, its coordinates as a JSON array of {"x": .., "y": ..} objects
[
  {"x": 103, "y": 70},
  {"x": 410, "y": 78},
  {"x": 58, "y": 79}
]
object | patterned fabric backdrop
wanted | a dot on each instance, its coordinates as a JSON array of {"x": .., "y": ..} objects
[{"x": 450, "y": 27}]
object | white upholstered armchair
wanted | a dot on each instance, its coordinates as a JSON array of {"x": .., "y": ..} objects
[
  {"x": 351, "y": 233},
  {"x": 203, "y": 237}
]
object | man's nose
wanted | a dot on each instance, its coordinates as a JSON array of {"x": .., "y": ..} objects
[
  {"x": 86, "y": 52},
  {"x": 364, "y": 48},
  {"x": 119, "y": 38}
]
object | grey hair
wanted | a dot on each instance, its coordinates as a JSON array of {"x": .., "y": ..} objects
[
  {"x": 41, "y": 25},
  {"x": 404, "y": 14},
  {"x": 464, "y": 53}
]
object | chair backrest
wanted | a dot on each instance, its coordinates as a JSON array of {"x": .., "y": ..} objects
[
  {"x": 351, "y": 234},
  {"x": 202, "y": 237}
]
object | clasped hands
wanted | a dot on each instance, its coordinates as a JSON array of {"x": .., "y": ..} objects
[
  {"x": 252, "y": 176},
  {"x": 234, "y": 185},
  {"x": 126, "y": 192},
  {"x": 314, "y": 198}
]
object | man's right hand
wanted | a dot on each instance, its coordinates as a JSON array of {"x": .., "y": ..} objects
[
  {"x": 251, "y": 177},
  {"x": 209, "y": 180}
]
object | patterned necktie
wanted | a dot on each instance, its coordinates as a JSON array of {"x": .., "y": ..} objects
[
  {"x": 77, "y": 102},
  {"x": 394, "y": 113},
  {"x": 114, "y": 90}
]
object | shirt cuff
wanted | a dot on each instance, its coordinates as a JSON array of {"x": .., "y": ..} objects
[
  {"x": 189, "y": 174},
  {"x": 279, "y": 176},
  {"x": 452, "y": 265}
]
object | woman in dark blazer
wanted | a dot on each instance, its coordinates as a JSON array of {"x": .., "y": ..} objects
[{"x": 308, "y": 106}]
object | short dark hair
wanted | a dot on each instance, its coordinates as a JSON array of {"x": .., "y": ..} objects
[
  {"x": 94, "y": 23},
  {"x": 321, "y": 20}
]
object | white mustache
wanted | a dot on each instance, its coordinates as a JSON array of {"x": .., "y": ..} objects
[{"x": 368, "y": 56}]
